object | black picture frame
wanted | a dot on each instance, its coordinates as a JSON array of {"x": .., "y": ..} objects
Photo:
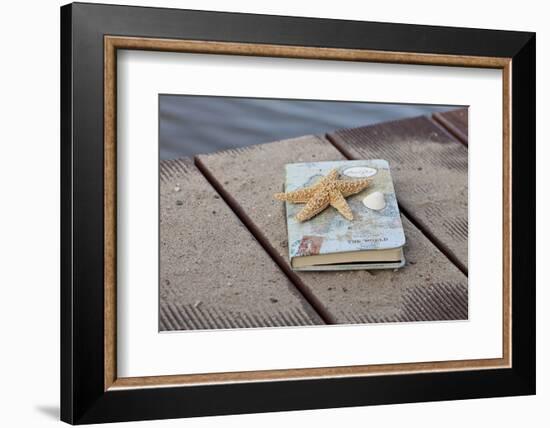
[{"x": 83, "y": 396}]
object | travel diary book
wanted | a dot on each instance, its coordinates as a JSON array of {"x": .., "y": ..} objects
[{"x": 374, "y": 239}]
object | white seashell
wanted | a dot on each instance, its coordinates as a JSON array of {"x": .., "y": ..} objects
[{"x": 375, "y": 201}]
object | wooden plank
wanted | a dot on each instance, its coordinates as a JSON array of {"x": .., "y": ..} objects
[
  {"x": 430, "y": 170},
  {"x": 456, "y": 122},
  {"x": 213, "y": 272},
  {"x": 429, "y": 287}
]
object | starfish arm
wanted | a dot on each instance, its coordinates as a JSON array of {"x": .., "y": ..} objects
[
  {"x": 338, "y": 201},
  {"x": 300, "y": 196},
  {"x": 351, "y": 187},
  {"x": 331, "y": 176},
  {"x": 314, "y": 206}
]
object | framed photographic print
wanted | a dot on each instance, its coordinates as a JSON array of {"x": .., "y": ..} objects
[{"x": 264, "y": 213}]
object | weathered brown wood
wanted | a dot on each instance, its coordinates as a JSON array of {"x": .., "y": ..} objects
[
  {"x": 429, "y": 287},
  {"x": 317, "y": 372},
  {"x": 306, "y": 52},
  {"x": 456, "y": 122},
  {"x": 430, "y": 170},
  {"x": 213, "y": 273},
  {"x": 110, "y": 217}
]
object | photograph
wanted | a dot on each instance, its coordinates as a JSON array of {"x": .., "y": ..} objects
[{"x": 293, "y": 212}]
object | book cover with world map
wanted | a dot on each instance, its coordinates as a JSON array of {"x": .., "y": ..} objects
[{"x": 329, "y": 233}]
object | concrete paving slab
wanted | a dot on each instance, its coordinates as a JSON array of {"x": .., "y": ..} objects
[
  {"x": 430, "y": 171},
  {"x": 429, "y": 287},
  {"x": 213, "y": 272}
]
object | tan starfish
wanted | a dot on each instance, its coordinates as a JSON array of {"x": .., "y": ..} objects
[{"x": 327, "y": 191}]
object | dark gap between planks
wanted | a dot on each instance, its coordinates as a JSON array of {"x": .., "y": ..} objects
[{"x": 445, "y": 120}]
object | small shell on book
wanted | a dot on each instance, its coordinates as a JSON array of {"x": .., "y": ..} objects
[{"x": 375, "y": 201}]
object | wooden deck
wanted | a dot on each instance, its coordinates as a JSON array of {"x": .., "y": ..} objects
[{"x": 223, "y": 243}]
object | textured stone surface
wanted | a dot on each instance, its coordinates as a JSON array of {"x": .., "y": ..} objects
[
  {"x": 429, "y": 287},
  {"x": 430, "y": 171},
  {"x": 213, "y": 272}
]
